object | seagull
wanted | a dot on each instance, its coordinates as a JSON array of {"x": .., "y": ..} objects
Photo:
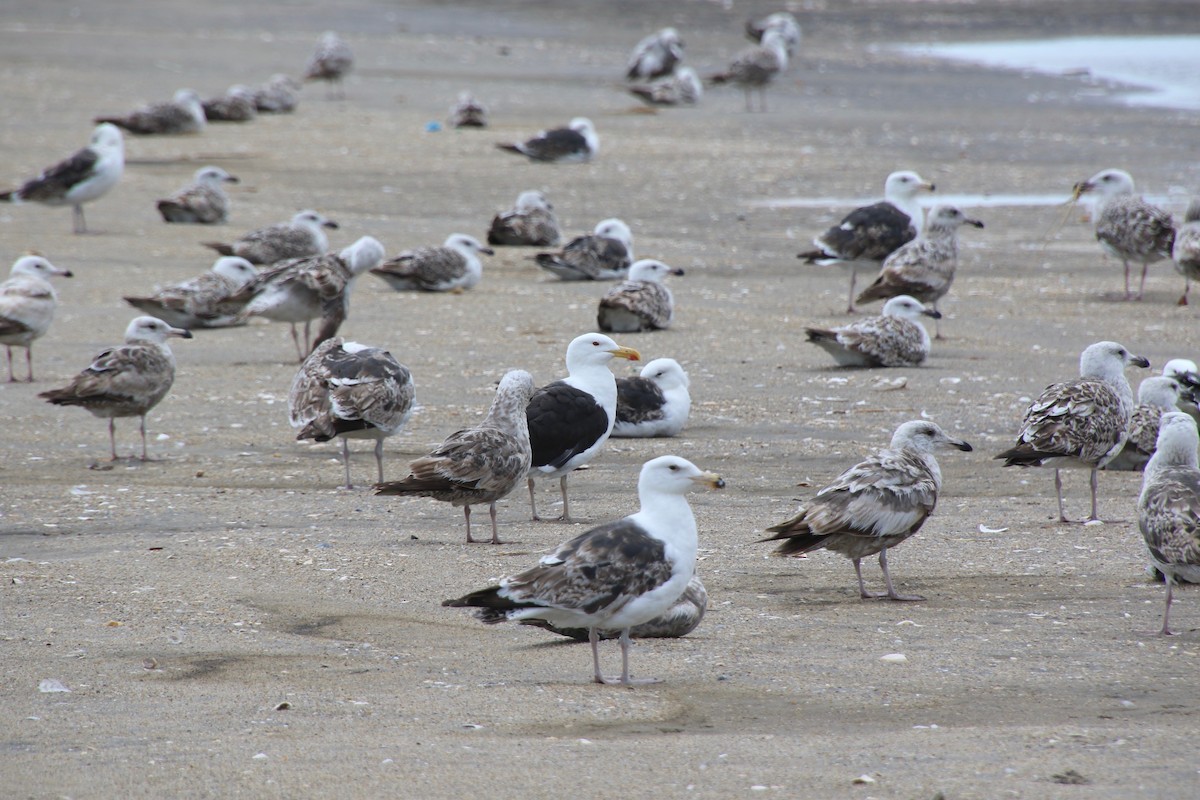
[
  {"x": 680, "y": 88},
  {"x": 641, "y": 303},
  {"x": 125, "y": 381},
  {"x": 575, "y": 143},
  {"x": 332, "y": 62},
  {"x": 923, "y": 268},
  {"x": 349, "y": 390},
  {"x": 1184, "y": 371},
  {"x": 1186, "y": 251},
  {"x": 86, "y": 176},
  {"x": 895, "y": 339},
  {"x": 468, "y": 112},
  {"x": 655, "y": 56},
  {"x": 1079, "y": 423},
  {"x": 1156, "y": 396},
  {"x": 27, "y": 303},
  {"x": 615, "y": 576},
  {"x": 196, "y": 303},
  {"x": 756, "y": 66},
  {"x": 301, "y": 237},
  {"x": 203, "y": 201},
  {"x": 1127, "y": 226},
  {"x": 603, "y": 255},
  {"x": 236, "y": 105},
  {"x": 571, "y": 419},
  {"x": 279, "y": 95},
  {"x": 654, "y": 403},
  {"x": 679, "y": 620},
  {"x": 1169, "y": 505},
  {"x": 184, "y": 113},
  {"x": 482, "y": 464},
  {"x": 530, "y": 222},
  {"x": 783, "y": 23},
  {"x": 869, "y": 234},
  {"x": 875, "y": 505},
  {"x": 453, "y": 267}
]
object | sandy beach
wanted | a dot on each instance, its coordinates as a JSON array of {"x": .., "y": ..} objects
[{"x": 230, "y": 623}]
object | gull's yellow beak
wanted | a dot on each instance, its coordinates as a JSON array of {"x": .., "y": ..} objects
[
  {"x": 710, "y": 480},
  {"x": 626, "y": 352}
]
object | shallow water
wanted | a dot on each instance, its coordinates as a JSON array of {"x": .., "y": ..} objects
[{"x": 1150, "y": 70}]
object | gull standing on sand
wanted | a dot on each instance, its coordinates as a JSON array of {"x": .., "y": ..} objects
[
  {"x": 895, "y": 339},
  {"x": 757, "y": 66},
  {"x": 453, "y": 267},
  {"x": 86, "y": 176},
  {"x": 183, "y": 114},
  {"x": 615, "y": 576},
  {"x": 352, "y": 391},
  {"x": 875, "y": 505},
  {"x": 202, "y": 201},
  {"x": 1186, "y": 251},
  {"x": 1127, "y": 226},
  {"x": 531, "y": 222},
  {"x": 641, "y": 303},
  {"x": 482, "y": 464},
  {"x": 1169, "y": 506},
  {"x": 654, "y": 403},
  {"x": 681, "y": 88},
  {"x": 27, "y": 304},
  {"x": 655, "y": 56},
  {"x": 603, "y": 255},
  {"x": 331, "y": 61},
  {"x": 869, "y": 234},
  {"x": 575, "y": 143},
  {"x": 196, "y": 303},
  {"x": 571, "y": 419},
  {"x": 236, "y": 105},
  {"x": 1156, "y": 396},
  {"x": 125, "y": 381},
  {"x": 1081, "y": 423},
  {"x": 301, "y": 237}
]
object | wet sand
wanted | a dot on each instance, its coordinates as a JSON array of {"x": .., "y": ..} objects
[{"x": 185, "y": 600}]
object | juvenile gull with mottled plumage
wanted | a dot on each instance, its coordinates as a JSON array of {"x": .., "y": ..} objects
[
  {"x": 453, "y": 267},
  {"x": 1079, "y": 423},
  {"x": 184, "y": 113},
  {"x": 1156, "y": 396},
  {"x": 875, "y": 505},
  {"x": 755, "y": 67},
  {"x": 642, "y": 302},
  {"x": 125, "y": 381},
  {"x": 300, "y": 237},
  {"x": 279, "y": 95},
  {"x": 468, "y": 112},
  {"x": 1186, "y": 250},
  {"x": 331, "y": 61},
  {"x": 27, "y": 304},
  {"x": 655, "y": 56},
  {"x": 196, "y": 303},
  {"x": 655, "y": 403},
  {"x": 352, "y": 391},
  {"x": 895, "y": 339},
  {"x": 482, "y": 464},
  {"x": 603, "y": 255},
  {"x": 202, "y": 201},
  {"x": 236, "y": 105},
  {"x": 615, "y": 576},
  {"x": 783, "y": 23},
  {"x": 681, "y": 88},
  {"x": 575, "y": 143},
  {"x": 531, "y": 222}
]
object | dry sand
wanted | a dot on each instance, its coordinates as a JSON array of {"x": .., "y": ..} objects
[{"x": 183, "y": 601}]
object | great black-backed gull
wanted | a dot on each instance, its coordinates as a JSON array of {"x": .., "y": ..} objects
[
  {"x": 895, "y": 339},
  {"x": 352, "y": 391},
  {"x": 481, "y": 464},
  {"x": 869, "y": 234},
  {"x": 202, "y": 201},
  {"x": 1079, "y": 423},
  {"x": 300, "y": 237},
  {"x": 603, "y": 255},
  {"x": 279, "y": 95},
  {"x": 679, "y": 620},
  {"x": 1169, "y": 505},
  {"x": 304, "y": 289},
  {"x": 125, "y": 381},
  {"x": 756, "y": 66},
  {"x": 571, "y": 419},
  {"x": 453, "y": 267},
  {"x": 331, "y": 62},
  {"x": 86, "y": 176},
  {"x": 1127, "y": 226},
  {"x": 641, "y": 303},
  {"x": 615, "y": 576},
  {"x": 183, "y": 114},
  {"x": 1186, "y": 250},
  {"x": 27, "y": 304},
  {"x": 923, "y": 268},
  {"x": 655, "y": 403},
  {"x": 236, "y": 105},
  {"x": 531, "y": 222},
  {"x": 780, "y": 21},
  {"x": 655, "y": 56},
  {"x": 575, "y": 143},
  {"x": 1155, "y": 396},
  {"x": 681, "y": 88},
  {"x": 875, "y": 505},
  {"x": 196, "y": 303},
  {"x": 467, "y": 112}
]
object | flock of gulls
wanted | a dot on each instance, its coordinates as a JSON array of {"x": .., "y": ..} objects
[{"x": 635, "y": 576}]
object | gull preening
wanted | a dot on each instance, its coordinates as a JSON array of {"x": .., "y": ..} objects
[
  {"x": 331, "y": 62},
  {"x": 781, "y": 22},
  {"x": 87, "y": 175},
  {"x": 681, "y": 88},
  {"x": 467, "y": 112},
  {"x": 654, "y": 403},
  {"x": 895, "y": 339},
  {"x": 655, "y": 56},
  {"x": 301, "y": 237},
  {"x": 875, "y": 505},
  {"x": 203, "y": 201},
  {"x": 27, "y": 304},
  {"x": 196, "y": 303},
  {"x": 531, "y": 222},
  {"x": 575, "y": 143},
  {"x": 615, "y": 576},
  {"x": 183, "y": 114},
  {"x": 642, "y": 302},
  {"x": 603, "y": 255},
  {"x": 453, "y": 267},
  {"x": 125, "y": 381}
]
